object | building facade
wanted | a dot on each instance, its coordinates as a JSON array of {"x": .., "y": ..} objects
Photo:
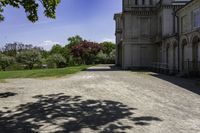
[{"x": 158, "y": 34}]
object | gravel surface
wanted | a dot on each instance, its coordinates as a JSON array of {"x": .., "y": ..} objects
[{"x": 100, "y": 100}]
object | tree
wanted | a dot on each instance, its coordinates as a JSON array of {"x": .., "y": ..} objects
[
  {"x": 29, "y": 58},
  {"x": 74, "y": 41},
  {"x": 108, "y": 48},
  {"x": 6, "y": 61},
  {"x": 10, "y": 49},
  {"x": 31, "y": 7},
  {"x": 56, "y": 60},
  {"x": 86, "y": 51},
  {"x": 64, "y": 51},
  {"x": 56, "y": 49}
]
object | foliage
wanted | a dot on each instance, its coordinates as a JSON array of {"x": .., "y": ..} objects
[
  {"x": 56, "y": 60},
  {"x": 56, "y": 49},
  {"x": 15, "y": 66},
  {"x": 42, "y": 72},
  {"x": 31, "y": 7},
  {"x": 108, "y": 47},
  {"x": 11, "y": 49},
  {"x": 103, "y": 58},
  {"x": 29, "y": 58},
  {"x": 6, "y": 61},
  {"x": 77, "y": 52},
  {"x": 86, "y": 51},
  {"x": 74, "y": 41},
  {"x": 64, "y": 51}
]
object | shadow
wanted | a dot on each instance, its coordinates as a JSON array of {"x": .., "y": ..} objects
[
  {"x": 7, "y": 94},
  {"x": 112, "y": 128},
  {"x": 105, "y": 67},
  {"x": 144, "y": 120},
  {"x": 59, "y": 113},
  {"x": 188, "y": 84}
]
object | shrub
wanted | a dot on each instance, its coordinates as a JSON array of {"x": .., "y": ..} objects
[
  {"x": 56, "y": 61},
  {"x": 103, "y": 58},
  {"x": 6, "y": 61},
  {"x": 107, "y": 48},
  {"x": 15, "y": 66},
  {"x": 29, "y": 58}
]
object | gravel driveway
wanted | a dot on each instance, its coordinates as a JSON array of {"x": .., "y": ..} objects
[{"x": 100, "y": 100}]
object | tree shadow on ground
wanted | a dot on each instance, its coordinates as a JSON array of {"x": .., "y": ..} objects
[
  {"x": 144, "y": 120},
  {"x": 7, "y": 94},
  {"x": 188, "y": 84},
  {"x": 59, "y": 113}
]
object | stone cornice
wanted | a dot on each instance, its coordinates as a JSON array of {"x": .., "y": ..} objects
[
  {"x": 150, "y": 10},
  {"x": 142, "y": 12}
]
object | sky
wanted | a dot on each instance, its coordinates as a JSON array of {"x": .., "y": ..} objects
[{"x": 91, "y": 19}]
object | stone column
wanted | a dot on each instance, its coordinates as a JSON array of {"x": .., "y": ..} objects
[
  {"x": 189, "y": 52},
  {"x": 117, "y": 55}
]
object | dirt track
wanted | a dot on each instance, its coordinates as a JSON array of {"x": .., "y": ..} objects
[{"x": 100, "y": 100}]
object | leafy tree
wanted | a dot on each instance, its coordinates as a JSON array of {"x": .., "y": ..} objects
[
  {"x": 64, "y": 51},
  {"x": 29, "y": 58},
  {"x": 31, "y": 7},
  {"x": 45, "y": 54},
  {"x": 10, "y": 49},
  {"x": 56, "y": 49},
  {"x": 66, "y": 54},
  {"x": 108, "y": 47},
  {"x": 74, "y": 41},
  {"x": 56, "y": 60},
  {"x": 6, "y": 61},
  {"x": 86, "y": 51}
]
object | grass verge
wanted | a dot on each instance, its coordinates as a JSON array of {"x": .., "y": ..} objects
[{"x": 41, "y": 72}]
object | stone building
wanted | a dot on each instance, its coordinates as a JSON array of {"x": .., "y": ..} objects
[{"x": 161, "y": 34}]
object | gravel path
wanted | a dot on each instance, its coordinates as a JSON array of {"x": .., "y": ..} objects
[{"x": 100, "y": 100}]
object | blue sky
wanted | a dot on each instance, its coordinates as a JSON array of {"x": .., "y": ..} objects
[{"x": 91, "y": 19}]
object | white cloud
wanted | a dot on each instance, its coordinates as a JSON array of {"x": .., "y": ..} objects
[
  {"x": 48, "y": 44},
  {"x": 108, "y": 40}
]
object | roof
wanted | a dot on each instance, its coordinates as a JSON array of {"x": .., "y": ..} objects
[{"x": 188, "y": 3}]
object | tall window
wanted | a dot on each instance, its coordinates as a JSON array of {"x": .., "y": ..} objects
[
  {"x": 196, "y": 18},
  {"x": 151, "y": 2},
  {"x": 184, "y": 24},
  {"x": 143, "y": 2},
  {"x": 136, "y": 2}
]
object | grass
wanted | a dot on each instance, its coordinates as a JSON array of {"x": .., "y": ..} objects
[{"x": 41, "y": 72}]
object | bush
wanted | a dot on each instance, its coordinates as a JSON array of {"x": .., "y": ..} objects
[
  {"x": 15, "y": 66},
  {"x": 6, "y": 61},
  {"x": 103, "y": 58},
  {"x": 107, "y": 48},
  {"x": 29, "y": 58},
  {"x": 56, "y": 61}
]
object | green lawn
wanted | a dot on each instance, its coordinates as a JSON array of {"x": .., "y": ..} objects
[{"x": 41, "y": 72}]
